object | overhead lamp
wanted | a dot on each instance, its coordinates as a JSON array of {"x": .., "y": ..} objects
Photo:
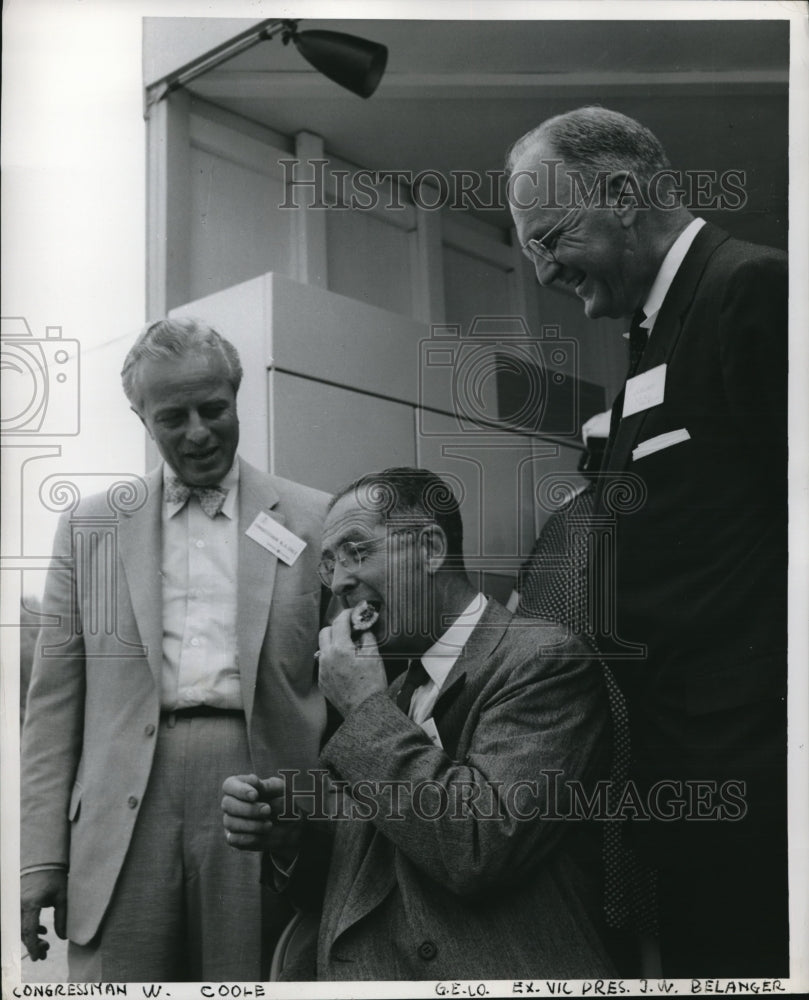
[{"x": 352, "y": 62}]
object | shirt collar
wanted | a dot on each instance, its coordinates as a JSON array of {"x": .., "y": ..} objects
[
  {"x": 230, "y": 482},
  {"x": 441, "y": 656},
  {"x": 668, "y": 269}
]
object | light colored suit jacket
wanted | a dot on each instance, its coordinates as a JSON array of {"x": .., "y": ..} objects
[
  {"x": 94, "y": 700},
  {"x": 462, "y": 896}
]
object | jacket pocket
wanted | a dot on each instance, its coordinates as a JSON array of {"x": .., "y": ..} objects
[{"x": 659, "y": 443}]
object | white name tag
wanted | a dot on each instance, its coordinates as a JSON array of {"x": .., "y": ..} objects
[
  {"x": 275, "y": 538},
  {"x": 431, "y": 730},
  {"x": 644, "y": 391},
  {"x": 659, "y": 443}
]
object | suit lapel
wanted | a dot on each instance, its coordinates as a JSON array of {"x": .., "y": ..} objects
[
  {"x": 369, "y": 866},
  {"x": 665, "y": 335},
  {"x": 257, "y": 568},
  {"x": 140, "y": 536},
  {"x": 451, "y": 709}
]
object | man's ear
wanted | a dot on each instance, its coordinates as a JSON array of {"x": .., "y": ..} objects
[
  {"x": 433, "y": 547},
  {"x": 625, "y": 196}
]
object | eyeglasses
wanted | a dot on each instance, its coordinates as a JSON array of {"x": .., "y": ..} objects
[
  {"x": 539, "y": 248},
  {"x": 350, "y": 555}
]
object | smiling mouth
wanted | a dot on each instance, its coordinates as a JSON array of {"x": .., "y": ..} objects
[
  {"x": 571, "y": 285},
  {"x": 201, "y": 456}
]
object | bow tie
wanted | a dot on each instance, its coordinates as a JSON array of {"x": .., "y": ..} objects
[{"x": 211, "y": 498}]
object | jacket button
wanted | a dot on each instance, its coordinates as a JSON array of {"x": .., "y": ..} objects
[
  {"x": 132, "y": 802},
  {"x": 149, "y": 730},
  {"x": 427, "y": 951}
]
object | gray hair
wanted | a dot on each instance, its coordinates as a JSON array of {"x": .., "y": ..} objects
[
  {"x": 177, "y": 338},
  {"x": 593, "y": 139}
]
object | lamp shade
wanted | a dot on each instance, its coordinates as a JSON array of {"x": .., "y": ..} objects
[{"x": 354, "y": 63}]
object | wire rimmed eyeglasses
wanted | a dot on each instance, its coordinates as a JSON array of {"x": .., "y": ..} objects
[
  {"x": 350, "y": 555},
  {"x": 538, "y": 248}
]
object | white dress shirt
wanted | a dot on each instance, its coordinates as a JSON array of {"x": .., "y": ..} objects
[
  {"x": 668, "y": 270},
  {"x": 199, "y": 571},
  {"x": 440, "y": 659}
]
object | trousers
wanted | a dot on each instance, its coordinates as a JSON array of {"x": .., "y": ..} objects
[{"x": 186, "y": 907}]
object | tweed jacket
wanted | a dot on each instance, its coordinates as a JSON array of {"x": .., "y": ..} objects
[{"x": 437, "y": 887}]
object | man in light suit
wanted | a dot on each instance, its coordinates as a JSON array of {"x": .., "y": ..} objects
[
  {"x": 180, "y": 655},
  {"x": 456, "y": 859},
  {"x": 699, "y": 438}
]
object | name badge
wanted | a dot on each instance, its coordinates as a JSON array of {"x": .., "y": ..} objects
[
  {"x": 275, "y": 538},
  {"x": 644, "y": 391}
]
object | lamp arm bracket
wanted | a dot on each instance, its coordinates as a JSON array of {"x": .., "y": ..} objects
[{"x": 218, "y": 55}]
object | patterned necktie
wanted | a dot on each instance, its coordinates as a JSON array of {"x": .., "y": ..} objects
[
  {"x": 638, "y": 337},
  {"x": 416, "y": 676},
  {"x": 211, "y": 498}
]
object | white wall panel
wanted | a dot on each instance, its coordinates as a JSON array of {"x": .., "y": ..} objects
[
  {"x": 370, "y": 260},
  {"x": 326, "y": 436},
  {"x": 332, "y": 337},
  {"x": 473, "y": 288},
  {"x": 237, "y": 230}
]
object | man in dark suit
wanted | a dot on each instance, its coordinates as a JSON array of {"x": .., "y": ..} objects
[
  {"x": 178, "y": 646},
  {"x": 696, "y": 633},
  {"x": 471, "y": 871}
]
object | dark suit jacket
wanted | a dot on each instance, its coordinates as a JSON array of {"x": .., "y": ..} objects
[
  {"x": 460, "y": 895},
  {"x": 700, "y": 573},
  {"x": 94, "y": 700}
]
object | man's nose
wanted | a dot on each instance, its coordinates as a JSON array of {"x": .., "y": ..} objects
[
  {"x": 546, "y": 271},
  {"x": 343, "y": 581},
  {"x": 196, "y": 428}
]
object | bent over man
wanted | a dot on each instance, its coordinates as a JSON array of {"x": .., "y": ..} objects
[{"x": 696, "y": 635}]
